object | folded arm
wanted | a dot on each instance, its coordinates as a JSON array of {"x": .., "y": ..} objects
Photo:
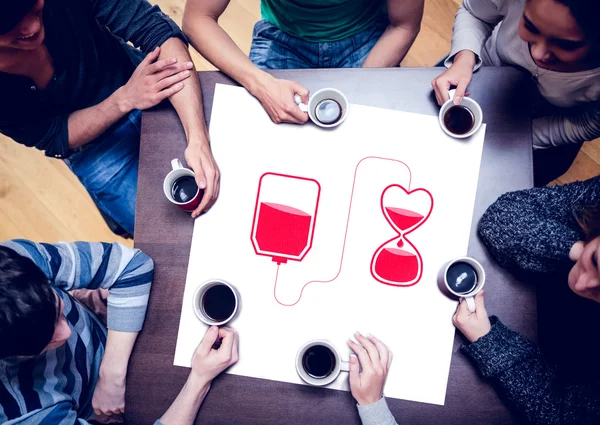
[
  {"x": 534, "y": 229},
  {"x": 405, "y": 22}
]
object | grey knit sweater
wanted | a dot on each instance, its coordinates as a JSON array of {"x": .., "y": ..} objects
[
  {"x": 531, "y": 385},
  {"x": 533, "y": 230}
]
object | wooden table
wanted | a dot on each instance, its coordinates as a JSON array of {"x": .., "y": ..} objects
[{"x": 165, "y": 233}]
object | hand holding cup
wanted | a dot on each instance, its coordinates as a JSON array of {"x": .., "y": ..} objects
[
  {"x": 375, "y": 358},
  {"x": 473, "y": 325}
]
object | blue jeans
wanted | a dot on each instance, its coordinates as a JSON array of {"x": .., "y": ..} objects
[
  {"x": 108, "y": 168},
  {"x": 274, "y": 49}
]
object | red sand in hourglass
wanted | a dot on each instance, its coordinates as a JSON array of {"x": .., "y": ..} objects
[{"x": 398, "y": 262}]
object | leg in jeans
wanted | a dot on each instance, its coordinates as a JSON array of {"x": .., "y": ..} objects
[
  {"x": 274, "y": 49},
  {"x": 352, "y": 51},
  {"x": 108, "y": 167}
]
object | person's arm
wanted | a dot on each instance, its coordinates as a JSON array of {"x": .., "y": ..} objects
[
  {"x": 188, "y": 104},
  {"x": 369, "y": 368},
  {"x": 405, "y": 23},
  {"x": 200, "y": 24},
  {"x": 207, "y": 363},
  {"x": 473, "y": 25},
  {"x": 152, "y": 82},
  {"x": 577, "y": 125},
  {"x": 520, "y": 373},
  {"x": 127, "y": 274},
  {"x": 534, "y": 229}
]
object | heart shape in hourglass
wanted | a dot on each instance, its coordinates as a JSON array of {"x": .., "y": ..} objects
[{"x": 397, "y": 262}]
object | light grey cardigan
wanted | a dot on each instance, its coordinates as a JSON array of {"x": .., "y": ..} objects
[{"x": 490, "y": 29}]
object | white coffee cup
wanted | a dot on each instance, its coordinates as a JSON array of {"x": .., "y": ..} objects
[
  {"x": 200, "y": 308},
  {"x": 470, "y": 295},
  {"x": 318, "y": 97},
  {"x": 338, "y": 364},
  {"x": 178, "y": 171},
  {"x": 468, "y": 103}
]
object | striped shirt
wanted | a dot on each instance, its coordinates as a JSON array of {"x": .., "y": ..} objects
[{"x": 57, "y": 386}]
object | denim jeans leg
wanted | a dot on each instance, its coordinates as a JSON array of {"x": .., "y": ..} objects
[
  {"x": 274, "y": 49},
  {"x": 108, "y": 168},
  {"x": 354, "y": 50}
]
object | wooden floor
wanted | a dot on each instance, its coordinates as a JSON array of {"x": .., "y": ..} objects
[{"x": 41, "y": 200}]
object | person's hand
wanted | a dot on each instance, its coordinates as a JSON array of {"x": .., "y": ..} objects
[
  {"x": 277, "y": 98},
  {"x": 152, "y": 82},
  {"x": 472, "y": 325},
  {"x": 109, "y": 394},
  {"x": 459, "y": 75},
  {"x": 375, "y": 359},
  {"x": 209, "y": 362},
  {"x": 584, "y": 277},
  {"x": 199, "y": 158}
]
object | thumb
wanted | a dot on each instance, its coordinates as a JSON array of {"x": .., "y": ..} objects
[
  {"x": 210, "y": 337},
  {"x": 301, "y": 90},
  {"x": 151, "y": 57},
  {"x": 354, "y": 370},
  {"x": 461, "y": 88}
]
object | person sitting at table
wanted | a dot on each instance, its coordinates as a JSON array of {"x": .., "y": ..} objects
[
  {"x": 72, "y": 87},
  {"x": 558, "y": 43},
  {"x": 58, "y": 363},
  {"x": 541, "y": 230},
  {"x": 304, "y": 34}
]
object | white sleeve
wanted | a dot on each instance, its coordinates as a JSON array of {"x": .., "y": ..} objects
[{"x": 473, "y": 25}]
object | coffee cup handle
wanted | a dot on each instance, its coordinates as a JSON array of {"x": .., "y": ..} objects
[
  {"x": 470, "y": 304},
  {"x": 451, "y": 93},
  {"x": 298, "y": 100},
  {"x": 344, "y": 366},
  {"x": 175, "y": 164}
]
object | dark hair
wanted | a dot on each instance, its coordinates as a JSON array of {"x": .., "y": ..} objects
[
  {"x": 27, "y": 306},
  {"x": 589, "y": 221},
  {"x": 586, "y": 13},
  {"x": 12, "y": 12}
]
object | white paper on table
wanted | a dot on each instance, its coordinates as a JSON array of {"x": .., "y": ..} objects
[{"x": 415, "y": 322}]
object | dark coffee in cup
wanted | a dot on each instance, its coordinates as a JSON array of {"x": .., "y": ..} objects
[
  {"x": 318, "y": 361},
  {"x": 459, "y": 119},
  {"x": 328, "y": 111},
  {"x": 184, "y": 189},
  {"x": 218, "y": 302},
  {"x": 461, "y": 277}
]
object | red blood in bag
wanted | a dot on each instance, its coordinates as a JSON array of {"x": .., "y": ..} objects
[{"x": 282, "y": 229}]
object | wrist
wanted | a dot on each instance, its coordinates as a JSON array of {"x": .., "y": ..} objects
[
  {"x": 198, "y": 384},
  {"x": 465, "y": 58},
  {"x": 258, "y": 82},
  {"x": 368, "y": 401},
  {"x": 120, "y": 101},
  {"x": 116, "y": 375}
]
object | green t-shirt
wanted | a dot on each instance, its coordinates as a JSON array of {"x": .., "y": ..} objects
[{"x": 325, "y": 20}]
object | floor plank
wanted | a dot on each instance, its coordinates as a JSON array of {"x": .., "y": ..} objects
[{"x": 40, "y": 198}]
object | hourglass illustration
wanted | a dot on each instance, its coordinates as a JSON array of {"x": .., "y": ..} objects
[
  {"x": 398, "y": 262},
  {"x": 284, "y": 216}
]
